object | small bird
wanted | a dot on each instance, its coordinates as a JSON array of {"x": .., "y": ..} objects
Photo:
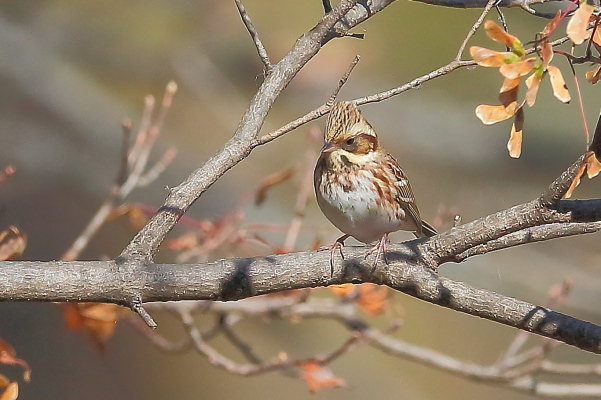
[{"x": 360, "y": 187}]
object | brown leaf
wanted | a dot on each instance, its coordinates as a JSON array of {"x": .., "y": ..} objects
[
  {"x": 590, "y": 165},
  {"x": 11, "y": 392},
  {"x": 12, "y": 243},
  {"x": 546, "y": 53},
  {"x": 373, "y": 299},
  {"x": 514, "y": 145},
  {"x": 344, "y": 290},
  {"x": 552, "y": 25},
  {"x": 318, "y": 377},
  {"x": 509, "y": 91},
  {"x": 533, "y": 83},
  {"x": 560, "y": 90},
  {"x": 98, "y": 319},
  {"x": 486, "y": 57},
  {"x": 578, "y": 24},
  {"x": 137, "y": 217},
  {"x": 593, "y": 166},
  {"x": 517, "y": 69},
  {"x": 9, "y": 356},
  {"x": 492, "y": 114},
  {"x": 271, "y": 181},
  {"x": 187, "y": 241},
  {"x": 594, "y": 75},
  {"x": 498, "y": 34},
  {"x": 4, "y": 381}
]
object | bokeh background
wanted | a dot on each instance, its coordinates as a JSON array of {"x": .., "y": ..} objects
[{"x": 71, "y": 71}]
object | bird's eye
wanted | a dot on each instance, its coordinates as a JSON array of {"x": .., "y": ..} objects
[{"x": 350, "y": 141}]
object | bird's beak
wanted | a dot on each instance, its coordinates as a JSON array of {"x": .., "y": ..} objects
[{"x": 328, "y": 147}]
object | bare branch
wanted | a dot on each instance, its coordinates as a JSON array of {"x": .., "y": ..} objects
[
  {"x": 342, "y": 81},
  {"x": 250, "y": 27}
]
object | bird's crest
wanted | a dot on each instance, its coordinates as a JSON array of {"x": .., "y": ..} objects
[{"x": 346, "y": 119}]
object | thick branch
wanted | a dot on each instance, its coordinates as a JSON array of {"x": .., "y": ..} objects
[{"x": 241, "y": 278}]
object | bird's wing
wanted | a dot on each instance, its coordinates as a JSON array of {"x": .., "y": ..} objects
[{"x": 404, "y": 194}]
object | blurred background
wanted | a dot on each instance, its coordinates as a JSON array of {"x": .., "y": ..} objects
[{"x": 71, "y": 71}]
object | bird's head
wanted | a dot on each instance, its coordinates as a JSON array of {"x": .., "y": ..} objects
[{"x": 348, "y": 132}]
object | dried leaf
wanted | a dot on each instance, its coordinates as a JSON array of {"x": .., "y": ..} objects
[
  {"x": 187, "y": 241},
  {"x": 560, "y": 90},
  {"x": 98, "y": 319},
  {"x": 318, "y": 377},
  {"x": 546, "y": 53},
  {"x": 514, "y": 145},
  {"x": 271, "y": 181},
  {"x": 597, "y": 36},
  {"x": 518, "y": 69},
  {"x": 594, "y": 75},
  {"x": 533, "y": 83},
  {"x": 576, "y": 181},
  {"x": 137, "y": 217},
  {"x": 488, "y": 58},
  {"x": 509, "y": 92},
  {"x": 7, "y": 172},
  {"x": 344, "y": 290},
  {"x": 9, "y": 356},
  {"x": 12, "y": 243},
  {"x": 552, "y": 25},
  {"x": 373, "y": 299},
  {"x": 498, "y": 34},
  {"x": 492, "y": 114},
  {"x": 11, "y": 392},
  {"x": 578, "y": 24},
  {"x": 593, "y": 166},
  {"x": 4, "y": 381}
]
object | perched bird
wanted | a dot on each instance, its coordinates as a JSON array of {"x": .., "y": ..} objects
[{"x": 360, "y": 187}]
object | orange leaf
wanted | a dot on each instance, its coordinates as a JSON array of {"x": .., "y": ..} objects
[
  {"x": 8, "y": 356},
  {"x": 552, "y": 25},
  {"x": 546, "y": 53},
  {"x": 487, "y": 58},
  {"x": 318, "y": 377},
  {"x": 344, "y": 290},
  {"x": 593, "y": 166},
  {"x": 594, "y": 75},
  {"x": 187, "y": 241},
  {"x": 517, "y": 69},
  {"x": 597, "y": 36},
  {"x": 498, "y": 34},
  {"x": 560, "y": 90},
  {"x": 373, "y": 299},
  {"x": 514, "y": 145},
  {"x": 578, "y": 24},
  {"x": 11, "y": 392},
  {"x": 98, "y": 319},
  {"x": 12, "y": 243},
  {"x": 492, "y": 114},
  {"x": 4, "y": 381},
  {"x": 137, "y": 218},
  {"x": 533, "y": 83},
  {"x": 509, "y": 92}
]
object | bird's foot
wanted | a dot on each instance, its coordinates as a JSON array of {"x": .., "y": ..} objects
[
  {"x": 338, "y": 244},
  {"x": 380, "y": 250}
]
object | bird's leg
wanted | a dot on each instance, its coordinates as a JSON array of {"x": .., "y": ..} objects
[
  {"x": 338, "y": 244},
  {"x": 380, "y": 249}
]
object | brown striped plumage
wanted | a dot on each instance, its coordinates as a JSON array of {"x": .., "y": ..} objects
[{"x": 359, "y": 186}]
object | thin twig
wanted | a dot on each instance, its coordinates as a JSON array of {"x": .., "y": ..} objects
[
  {"x": 342, "y": 81},
  {"x": 250, "y": 27},
  {"x": 474, "y": 28}
]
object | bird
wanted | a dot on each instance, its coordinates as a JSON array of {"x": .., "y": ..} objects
[{"x": 360, "y": 187}]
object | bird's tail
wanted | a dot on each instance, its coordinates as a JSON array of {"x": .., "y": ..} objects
[{"x": 427, "y": 230}]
